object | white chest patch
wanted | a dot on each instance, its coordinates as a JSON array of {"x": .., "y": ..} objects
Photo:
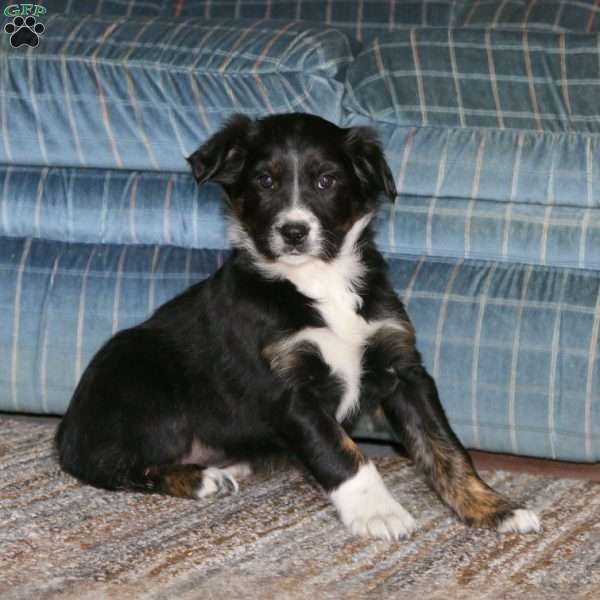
[
  {"x": 342, "y": 342},
  {"x": 344, "y": 357}
]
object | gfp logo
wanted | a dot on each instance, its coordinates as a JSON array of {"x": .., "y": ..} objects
[
  {"x": 24, "y": 28},
  {"x": 24, "y": 10}
]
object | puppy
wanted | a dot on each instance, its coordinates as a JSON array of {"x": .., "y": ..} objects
[{"x": 298, "y": 333}]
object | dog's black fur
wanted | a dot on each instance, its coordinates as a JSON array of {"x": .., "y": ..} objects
[{"x": 207, "y": 370}]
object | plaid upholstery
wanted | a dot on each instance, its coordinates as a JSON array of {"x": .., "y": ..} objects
[
  {"x": 499, "y": 231},
  {"x": 528, "y": 339},
  {"x": 555, "y": 15},
  {"x": 122, "y": 8},
  {"x": 515, "y": 350},
  {"x": 362, "y": 19},
  {"x": 365, "y": 19},
  {"x": 110, "y": 207},
  {"x": 491, "y": 164},
  {"x": 143, "y": 93},
  {"x": 124, "y": 207},
  {"x": 492, "y": 135},
  {"x": 475, "y": 78}
]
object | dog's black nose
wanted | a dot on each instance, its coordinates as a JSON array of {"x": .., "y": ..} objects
[{"x": 294, "y": 233}]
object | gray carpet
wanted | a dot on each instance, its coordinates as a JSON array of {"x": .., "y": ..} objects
[{"x": 278, "y": 538}]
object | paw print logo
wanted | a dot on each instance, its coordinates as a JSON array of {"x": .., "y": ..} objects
[{"x": 24, "y": 31}]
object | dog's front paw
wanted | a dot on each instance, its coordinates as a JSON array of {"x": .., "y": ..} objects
[
  {"x": 368, "y": 509},
  {"x": 392, "y": 523},
  {"x": 520, "y": 520}
]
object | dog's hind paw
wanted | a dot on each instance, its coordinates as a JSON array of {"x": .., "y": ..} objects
[
  {"x": 216, "y": 481},
  {"x": 520, "y": 520}
]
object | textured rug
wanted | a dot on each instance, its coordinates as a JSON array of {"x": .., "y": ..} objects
[{"x": 277, "y": 539}]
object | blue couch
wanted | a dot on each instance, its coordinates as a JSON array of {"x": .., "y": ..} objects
[{"x": 490, "y": 118}]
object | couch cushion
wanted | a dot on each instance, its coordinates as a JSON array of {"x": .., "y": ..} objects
[
  {"x": 514, "y": 349},
  {"x": 110, "y": 206},
  {"x": 472, "y": 78},
  {"x": 499, "y": 165},
  {"x": 563, "y": 236},
  {"x": 142, "y": 93},
  {"x": 137, "y": 207}
]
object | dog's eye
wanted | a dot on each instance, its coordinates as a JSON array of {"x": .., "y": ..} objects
[
  {"x": 325, "y": 182},
  {"x": 265, "y": 181}
]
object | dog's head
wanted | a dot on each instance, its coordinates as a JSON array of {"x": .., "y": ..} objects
[{"x": 296, "y": 184}]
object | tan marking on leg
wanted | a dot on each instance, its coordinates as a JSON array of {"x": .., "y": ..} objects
[
  {"x": 349, "y": 447},
  {"x": 175, "y": 480},
  {"x": 459, "y": 486}
]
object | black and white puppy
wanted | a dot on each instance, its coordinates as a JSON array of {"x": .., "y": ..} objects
[{"x": 281, "y": 349}]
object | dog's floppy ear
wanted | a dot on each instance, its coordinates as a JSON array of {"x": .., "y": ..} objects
[
  {"x": 221, "y": 158},
  {"x": 367, "y": 157}
]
